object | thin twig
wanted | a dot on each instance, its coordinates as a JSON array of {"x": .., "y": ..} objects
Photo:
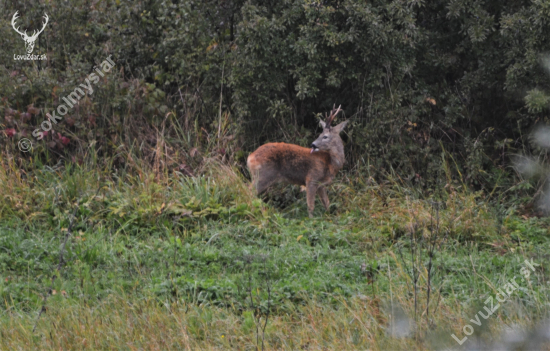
[
  {"x": 69, "y": 232},
  {"x": 404, "y": 264},
  {"x": 59, "y": 266},
  {"x": 268, "y": 284},
  {"x": 248, "y": 263},
  {"x": 414, "y": 275},
  {"x": 431, "y": 245}
]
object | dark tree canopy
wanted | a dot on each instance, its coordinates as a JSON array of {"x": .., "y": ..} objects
[{"x": 417, "y": 77}]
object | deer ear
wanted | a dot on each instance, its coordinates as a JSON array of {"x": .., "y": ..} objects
[
  {"x": 322, "y": 124},
  {"x": 340, "y": 127}
]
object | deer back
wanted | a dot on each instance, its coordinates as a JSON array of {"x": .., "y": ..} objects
[{"x": 290, "y": 163}]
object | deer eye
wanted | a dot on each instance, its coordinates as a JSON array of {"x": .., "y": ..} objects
[{"x": 325, "y": 137}]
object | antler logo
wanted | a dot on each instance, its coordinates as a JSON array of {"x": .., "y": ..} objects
[{"x": 29, "y": 40}]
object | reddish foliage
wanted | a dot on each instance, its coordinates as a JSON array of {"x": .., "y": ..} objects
[
  {"x": 10, "y": 132},
  {"x": 64, "y": 140}
]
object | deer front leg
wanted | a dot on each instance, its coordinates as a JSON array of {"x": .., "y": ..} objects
[
  {"x": 311, "y": 189},
  {"x": 322, "y": 191}
]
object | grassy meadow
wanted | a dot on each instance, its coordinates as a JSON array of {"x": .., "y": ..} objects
[{"x": 145, "y": 259}]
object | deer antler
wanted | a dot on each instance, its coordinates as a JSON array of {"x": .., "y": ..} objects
[
  {"x": 333, "y": 114},
  {"x": 13, "y": 19}
]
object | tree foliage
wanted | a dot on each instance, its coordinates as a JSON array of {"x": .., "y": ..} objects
[{"x": 416, "y": 77}]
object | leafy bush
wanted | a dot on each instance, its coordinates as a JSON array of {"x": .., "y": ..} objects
[{"x": 416, "y": 77}]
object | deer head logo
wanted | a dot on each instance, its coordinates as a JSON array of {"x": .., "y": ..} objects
[{"x": 29, "y": 40}]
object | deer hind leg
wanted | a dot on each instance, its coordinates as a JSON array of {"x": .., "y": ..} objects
[
  {"x": 261, "y": 177},
  {"x": 322, "y": 192},
  {"x": 254, "y": 176},
  {"x": 264, "y": 180},
  {"x": 311, "y": 189}
]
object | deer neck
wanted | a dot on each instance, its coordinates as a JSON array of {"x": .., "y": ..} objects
[{"x": 337, "y": 157}]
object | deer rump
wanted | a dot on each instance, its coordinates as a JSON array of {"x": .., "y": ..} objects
[{"x": 281, "y": 162}]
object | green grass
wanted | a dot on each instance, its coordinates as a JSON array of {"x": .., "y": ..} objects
[{"x": 171, "y": 262}]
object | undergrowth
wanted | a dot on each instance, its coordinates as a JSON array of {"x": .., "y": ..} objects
[{"x": 96, "y": 259}]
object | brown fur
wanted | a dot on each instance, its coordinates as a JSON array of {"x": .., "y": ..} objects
[{"x": 280, "y": 162}]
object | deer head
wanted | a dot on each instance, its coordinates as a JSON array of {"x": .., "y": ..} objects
[
  {"x": 29, "y": 40},
  {"x": 329, "y": 140}
]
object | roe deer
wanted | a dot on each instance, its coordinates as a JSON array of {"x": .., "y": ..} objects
[{"x": 289, "y": 163}]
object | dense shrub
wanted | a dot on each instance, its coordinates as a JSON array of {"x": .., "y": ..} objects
[{"x": 418, "y": 78}]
